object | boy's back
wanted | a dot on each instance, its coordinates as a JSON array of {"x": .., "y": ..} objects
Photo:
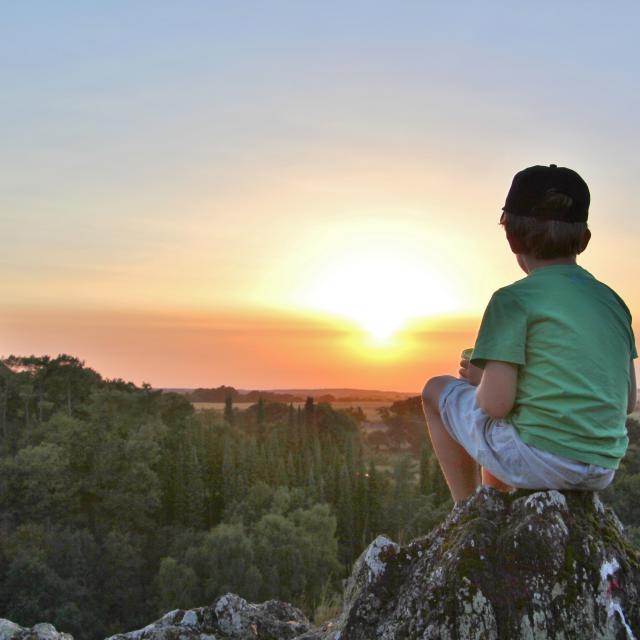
[
  {"x": 542, "y": 404},
  {"x": 571, "y": 337}
]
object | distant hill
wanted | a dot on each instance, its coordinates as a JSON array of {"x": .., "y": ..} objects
[
  {"x": 345, "y": 395},
  {"x": 219, "y": 394}
]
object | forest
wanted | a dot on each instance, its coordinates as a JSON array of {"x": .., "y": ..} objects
[{"x": 119, "y": 503}]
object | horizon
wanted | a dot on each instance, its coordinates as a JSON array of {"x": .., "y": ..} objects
[{"x": 295, "y": 196}]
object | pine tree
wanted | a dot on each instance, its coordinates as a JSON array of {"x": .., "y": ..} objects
[
  {"x": 424, "y": 485},
  {"x": 309, "y": 416},
  {"x": 318, "y": 468},
  {"x": 214, "y": 481},
  {"x": 360, "y": 505},
  {"x": 403, "y": 493},
  {"x": 312, "y": 484},
  {"x": 228, "y": 409},
  {"x": 292, "y": 479},
  {"x": 229, "y": 470},
  {"x": 373, "y": 525},
  {"x": 344, "y": 510},
  {"x": 292, "y": 416},
  {"x": 194, "y": 491},
  {"x": 180, "y": 511},
  {"x": 291, "y": 440},
  {"x": 260, "y": 427},
  {"x": 437, "y": 484}
]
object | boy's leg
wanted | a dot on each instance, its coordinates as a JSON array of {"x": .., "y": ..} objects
[
  {"x": 459, "y": 468},
  {"x": 490, "y": 480}
]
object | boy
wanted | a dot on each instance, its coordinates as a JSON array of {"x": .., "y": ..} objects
[{"x": 543, "y": 401}]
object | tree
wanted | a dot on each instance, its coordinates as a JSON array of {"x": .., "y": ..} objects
[
  {"x": 437, "y": 484},
  {"x": 224, "y": 562},
  {"x": 31, "y": 591},
  {"x": 373, "y": 522},
  {"x": 260, "y": 428},
  {"x": 176, "y": 585},
  {"x": 189, "y": 487},
  {"x": 346, "y": 531},
  {"x": 35, "y": 484},
  {"x": 309, "y": 415},
  {"x": 228, "y": 409},
  {"x": 424, "y": 485},
  {"x": 403, "y": 492},
  {"x": 7, "y": 382},
  {"x": 317, "y": 528},
  {"x": 122, "y": 581},
  {"x": 279, "y": 557}
]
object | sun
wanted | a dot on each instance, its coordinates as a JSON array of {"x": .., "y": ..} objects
[{"x": 380, "y": 289}]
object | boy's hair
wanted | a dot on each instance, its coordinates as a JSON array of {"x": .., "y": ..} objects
[{"x": 546, "y": 239}]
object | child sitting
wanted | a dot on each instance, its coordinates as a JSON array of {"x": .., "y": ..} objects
[{"x": 543, "y": 400}]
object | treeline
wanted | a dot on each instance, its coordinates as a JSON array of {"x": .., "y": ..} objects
[
  {"x": 222, "y": 393},
  {"x": 118, "y": 503}
]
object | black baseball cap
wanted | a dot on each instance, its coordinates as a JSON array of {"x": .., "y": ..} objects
[{"x": 530, "y": 186}]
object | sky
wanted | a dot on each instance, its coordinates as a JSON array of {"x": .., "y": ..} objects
[{"x": 295, "y": 194}]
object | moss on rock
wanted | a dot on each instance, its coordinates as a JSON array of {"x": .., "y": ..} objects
[{"x": 528, "y": 564}]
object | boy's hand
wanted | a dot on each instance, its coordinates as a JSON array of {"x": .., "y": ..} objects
[{"x": 470, "y": 372}]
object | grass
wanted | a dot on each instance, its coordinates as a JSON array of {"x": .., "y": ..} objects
[{"x": 329, "y": 607}]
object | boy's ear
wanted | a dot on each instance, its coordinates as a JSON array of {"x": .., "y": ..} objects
[
  {"x": 585, "y": 241},
  {"x": 515, "y": 244}
]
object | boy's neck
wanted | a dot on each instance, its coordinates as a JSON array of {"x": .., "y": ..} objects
[{"x": 529, "y": 263}]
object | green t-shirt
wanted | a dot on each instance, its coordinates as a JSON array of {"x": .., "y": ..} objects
[{"x": 571, "y": 336}]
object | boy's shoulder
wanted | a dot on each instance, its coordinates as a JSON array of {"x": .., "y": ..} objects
[
  {"x": 615, "y": 295},
  {"x": 543, "y": 280},
  {"x": 514, "y": 293}
]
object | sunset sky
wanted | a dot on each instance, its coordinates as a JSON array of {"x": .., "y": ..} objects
[{"x": 295, "y": 194}]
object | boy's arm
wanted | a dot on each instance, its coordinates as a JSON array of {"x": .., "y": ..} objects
[
  {"x": 633, "y": 389},
  {"x": 496, "y": 393}
]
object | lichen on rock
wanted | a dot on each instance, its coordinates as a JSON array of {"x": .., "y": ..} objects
[
  {"x": 520, "y": 565},
  {"x": 229, "y": 617},
  {"x": 41, "y": 631}
]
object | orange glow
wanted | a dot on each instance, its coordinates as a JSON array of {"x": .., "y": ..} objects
[{"x": 265, "y": 350}]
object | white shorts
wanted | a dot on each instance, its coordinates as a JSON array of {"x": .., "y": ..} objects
[{"x": 495, "y": 445}]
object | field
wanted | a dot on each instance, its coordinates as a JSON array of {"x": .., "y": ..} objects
[{"x": 369, "y": 407}]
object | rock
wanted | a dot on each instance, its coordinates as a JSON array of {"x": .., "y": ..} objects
[
  {"x": 41, "y": 631},
  {"x": 228, "y": 618},
  {"x": 525, "y": 565}
]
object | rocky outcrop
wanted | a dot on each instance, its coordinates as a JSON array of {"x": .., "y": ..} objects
[
  {"x": 525, "y": 565},
  {"x": 228, "y": 618},
  {"x": 43, "y": 631}
]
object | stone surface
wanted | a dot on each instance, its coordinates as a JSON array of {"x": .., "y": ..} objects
[
  {"x": 526, "y": 565},
  {"x": 228, "y": 618},
  {"x": 521, "y": 566},
  {"x": 41, "y": 631}
]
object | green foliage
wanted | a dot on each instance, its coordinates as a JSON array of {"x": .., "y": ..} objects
[
  {"x": 221, "y": 561},
  {"x": 118, "y": 502},
  {"x": 177, "y": 586},
  {"x": 51, "y": 574},
  {"x": 34, "y": 483},
  {"x": 624, "y": 493},
  {"x": 123, "y": 581},
  {"x": 30, "y": 590}
]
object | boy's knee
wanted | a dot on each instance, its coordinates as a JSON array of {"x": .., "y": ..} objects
[{"x": 432, "y": 390}]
